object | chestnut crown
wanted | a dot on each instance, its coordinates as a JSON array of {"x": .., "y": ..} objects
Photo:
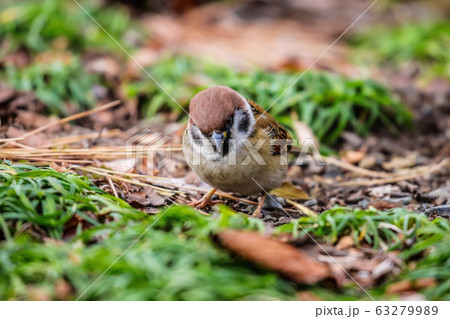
[{"x": 210, "y": 108}]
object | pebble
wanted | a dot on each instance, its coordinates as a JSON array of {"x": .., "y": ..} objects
[
  {"x": 440, "y": 192},
  {"x": 333, "y": 171},
  {"x": 269, "y": 218},
  {"x": 441, "y": 201},
  {"x": 404, "y": 200},
  {"x": 273, "y": 203},
  {"x": 443, "y": 211},
  {"x": 384, "y": 190},
  {"x": 364, "y": 203},
  {"x": 368, "y": 162},
  {"x": 310, "y": 202},
  {"x": 407, "y": 186},
  {"x": 425, "y": 198},
  {"x": 400, "y": 194}
]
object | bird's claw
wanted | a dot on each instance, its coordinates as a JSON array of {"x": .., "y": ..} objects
[
  {"x": 203, "y": 202},
  {"x": 257, "y": 213}
]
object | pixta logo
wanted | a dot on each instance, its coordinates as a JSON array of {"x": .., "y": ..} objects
[{"x": 147, "y": 151}]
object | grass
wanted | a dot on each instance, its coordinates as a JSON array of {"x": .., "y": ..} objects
[
  {"x": 59, "y": 85},
  {"x": 49, "y": 201},
  {"x": 38, "y": 26},
  {"x": 390, "y": 231},
  {"x": 166, "y": 264},
  {"x": 424, "y": 44},
  {"x": 176, "y": 258},
  {"x": 328, "y": 103},
  {"x": 59, "y": 232},
  {"x": 61, "y": 32},
  {"x": 423, "y": 245}
]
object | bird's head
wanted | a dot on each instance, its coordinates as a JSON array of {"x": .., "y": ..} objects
[{"x": 220, "y": 114}]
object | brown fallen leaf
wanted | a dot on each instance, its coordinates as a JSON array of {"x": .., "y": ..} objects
[
  {"x": 345, "y": 242},
  {"x": 34, "y": 140},
  {"x": 32, "y": 120},
  {"x": 306, "y": 295},
  {"x": 145, "y": 197},
  {"x": 274, "y": 255},
  {"x": 383, "y": 205},
  {"x": 289, "y": 191},
  {"x": 381, "y": 191},
  {"x": 6, "y": 93},
  {"x": 398, "y": 162},
  {"x": 410, "y": 285},
  {"x": 62, "y": 289},
  {"x": 303, "y": 132},
  {"x": 37, "y": 294},
  {"x": 353, "y": 157}
]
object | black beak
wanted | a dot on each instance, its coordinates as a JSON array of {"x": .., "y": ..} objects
[{"x": 218, "y": 138}]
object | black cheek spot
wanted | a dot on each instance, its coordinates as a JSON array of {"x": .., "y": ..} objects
[
  {"x": 196, "y": 137},
  {"x": 226, "y": 147},
  {"x": 244, "y": 123}
]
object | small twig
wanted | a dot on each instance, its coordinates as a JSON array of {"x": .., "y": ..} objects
[
  {"x": 353, "y": 168},
  {"x": 106, "y": 170},
  {"x": 112, "y": 186},
  {"x": 159, "y": 190},
  {"x": 107, "y": 173},
  {"x": 20, "y": 145},
  {"x": 305, "y": 210},
  {"x": 57, "y": 160},
  {"x": 395, "y": 179},
  {"x": 78, "y": 138},
  {"x": 64, "y": 120}
]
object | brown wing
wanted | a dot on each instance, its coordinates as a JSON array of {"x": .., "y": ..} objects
[{"x": 275, "y": 130}]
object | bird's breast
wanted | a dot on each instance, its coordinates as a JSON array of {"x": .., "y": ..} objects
[{"x": 246, "y": 168}]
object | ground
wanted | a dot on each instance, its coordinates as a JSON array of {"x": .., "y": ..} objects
[{"x": 380, "y": 117}]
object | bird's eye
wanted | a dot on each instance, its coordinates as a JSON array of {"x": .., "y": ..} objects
[{"x": 229, "y": 121}]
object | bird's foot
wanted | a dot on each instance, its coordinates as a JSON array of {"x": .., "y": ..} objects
[
  {"x": 205, "y": 200},
  {"x": 202, "y": 203},
  {"x": 257, "y": 212}
]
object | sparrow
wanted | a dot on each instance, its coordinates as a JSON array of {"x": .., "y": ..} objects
[{"x": 234, "y": 145}]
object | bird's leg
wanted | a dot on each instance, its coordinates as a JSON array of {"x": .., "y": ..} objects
[
  {"x": 257, "y": 212},
  {"x": 205, "y": 200}
]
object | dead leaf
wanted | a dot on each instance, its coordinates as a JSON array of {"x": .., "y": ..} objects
[
  {"x": 305, "y": 210},
  {"x": 303, "y": 131},
  {"x": 353, "y": 157},
  {"x": 345, "y": 242},
  {"x": 306, "y": 295},
  {"x": 6, "y": 93},
  {"x": 104, "y": 65},
  {"x": 384, "y": 190},
  {"x": 62, "y": 289},
  {"x": 383, "y": 205},
  {"x": 33, "y": 140},
  {"x": 37, "y": 294},
  {"x": 410, "y": 285},
  {"x": 64, "y": 57},
  {"x": 274, "y": 255},
  {"x": 32, "y": 120},
  {"x": 397, "y": 162},
  {"x": 146, "y": 197},
  {"x": 289, "y": 191},
  {"x": 368, "y": 162}
]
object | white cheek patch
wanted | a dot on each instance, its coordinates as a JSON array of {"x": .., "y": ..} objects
[
  {"x": 196, "y": 135},
  {"x": 250, "y": 115},
  {"x": 202, "y": 148}
]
